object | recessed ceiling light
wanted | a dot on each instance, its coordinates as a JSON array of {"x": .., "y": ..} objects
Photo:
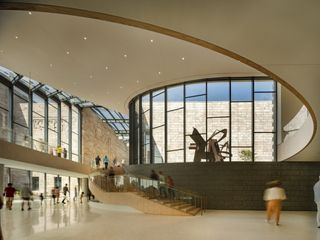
[
  {"x": 68, "y": 52},
  {"x": 84, "y": 38},
  {"x": 125, "y": 55},
  {"x": 30, "y": 13},
  {"x": 16, "y": 37},
  {"x": 159, "y": 73},
  {"x": 151, "y": 40},
  {"x": 182, "y": 58},
  {"x": 107, "y": 67}
]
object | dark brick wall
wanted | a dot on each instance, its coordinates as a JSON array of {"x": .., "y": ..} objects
[{"x": 240, "y": 186}]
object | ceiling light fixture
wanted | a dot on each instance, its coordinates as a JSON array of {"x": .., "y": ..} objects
[
  {"x": 107, "y": 67},
  {"x": 84, "y": 38},
  {"x": 125, "y": 55},
  {"x": 159, "y": 73},
  {"x": 68, "y": 52},
  {"x": 151, "y": 40},
  {"x": 182, "y": 58},
  {"x": 16, "y": 37},
  {"x": 30, "y": 13}
]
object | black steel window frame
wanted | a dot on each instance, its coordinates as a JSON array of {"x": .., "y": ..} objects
[
  {"x": 134, "y": 145},
  {"x": 37, "y": 90}
]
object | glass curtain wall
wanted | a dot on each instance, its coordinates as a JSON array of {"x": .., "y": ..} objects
[
  {"x": 244, "y": 108},
  {"x": 36, "y": 118},
  {"x": 75, "y": 133},
  {"x": 65, "y": 130},
  {"x": 53, "y": 123},
  {"x": 38, "y": 122},
  {"x": 21, "y": 133}
]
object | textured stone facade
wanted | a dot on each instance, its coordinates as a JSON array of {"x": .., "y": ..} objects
[{"x": 99, "y": 139}]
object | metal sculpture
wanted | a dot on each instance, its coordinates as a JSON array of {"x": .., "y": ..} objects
[{"x": 215, "y": 152}]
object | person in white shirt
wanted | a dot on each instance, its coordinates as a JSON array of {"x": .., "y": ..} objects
[
  {"x": 274, "y": 196},
  {"x": 316, "y": 190}
]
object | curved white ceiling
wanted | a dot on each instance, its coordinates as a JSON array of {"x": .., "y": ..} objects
[{"x": 72, "y": 53}]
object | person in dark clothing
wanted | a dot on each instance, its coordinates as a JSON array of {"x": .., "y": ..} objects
[
  {"x": 9, "y": 192},
  {"x": 154, "y": 175},
  {"x": 98, "y": 160},
  {"x": 65, "y": 191}
]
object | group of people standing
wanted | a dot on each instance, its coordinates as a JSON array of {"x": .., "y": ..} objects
[
  {"x": 107, "y": 162},
  {"x": 166, "y": 184}
]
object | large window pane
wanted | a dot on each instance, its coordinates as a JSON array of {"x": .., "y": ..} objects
[
  {"x": 196, "y": 114},
  {"x": 136, "y": 141},
  {"x": 4, "y": 96},
  {"x": 52, "y": 141},
  {"x": 175, "y": 97},
  {"x": 218, "y": 99},
  {"x": 264, "y": 85},
  {"x": 21, "y": 135},
  {"x": 4, "y": 119},
  {"x": 175, "y": 129},
  {"x": 158, "y": 110},
  {"x": 158, "y": 145},
  {"x": 264, "y": 112},
  {"x": 194, "y": 89},
  {"x": 175, "y": 156},
  {"x": 75, "y": 119},
  {"x": 20, "y": 107},
  {"x": 241, "y": 124},
  {"x": 146, "y": 136},
  {"x": 241, "y": 154},
  {"x": 241, "y": 91},
  {"x": 65, "y": 112},
  {"x": 264, "y": 146},
  {"x": 38, "y": 122}
]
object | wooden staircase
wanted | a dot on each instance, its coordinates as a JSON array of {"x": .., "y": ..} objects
[{"x": 175, "y": 204}]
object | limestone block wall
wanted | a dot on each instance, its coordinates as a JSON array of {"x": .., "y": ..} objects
[{"x": 99, "y": 139}]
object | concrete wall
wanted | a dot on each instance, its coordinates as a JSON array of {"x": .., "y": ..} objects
[
  {"x": 99, "y": 139},
  {"x": 240, "y": 186}
]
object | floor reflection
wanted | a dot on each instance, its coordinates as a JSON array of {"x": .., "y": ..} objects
[{"x": 17, "y": 224}]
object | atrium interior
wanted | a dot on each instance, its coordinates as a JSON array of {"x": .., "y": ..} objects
[{"x": 145, "y": 115}]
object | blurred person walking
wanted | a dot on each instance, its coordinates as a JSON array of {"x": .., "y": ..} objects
[
  {"x": 26, "y": 194},
  {"x": 65, "y": 191},
  {"x": 316, "y": 190},
  {"x": 9, "y": 192},
  {"x": 274, "y": 195},
  {"x": 106, "y": 161},
  {"x": 98, "y": 160}
]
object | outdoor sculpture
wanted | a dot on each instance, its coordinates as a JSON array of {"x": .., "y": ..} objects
[{"x": 215, "y": 152}]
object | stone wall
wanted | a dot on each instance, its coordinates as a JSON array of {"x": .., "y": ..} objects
[
  {"x": 99, "y": 139},
  {"x": 240, "y": 185}
]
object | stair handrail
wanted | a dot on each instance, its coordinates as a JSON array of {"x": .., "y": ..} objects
[{"x": 200, "y": 201}]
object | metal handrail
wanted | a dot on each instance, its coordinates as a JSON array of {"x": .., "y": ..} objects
[{"x": 150, "y": 188}]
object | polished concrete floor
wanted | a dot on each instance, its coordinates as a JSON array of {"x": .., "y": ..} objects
[{"x": 96, "y": 221}]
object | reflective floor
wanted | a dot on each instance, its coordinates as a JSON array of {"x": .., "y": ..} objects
[{"x": 97, "y": 221}]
